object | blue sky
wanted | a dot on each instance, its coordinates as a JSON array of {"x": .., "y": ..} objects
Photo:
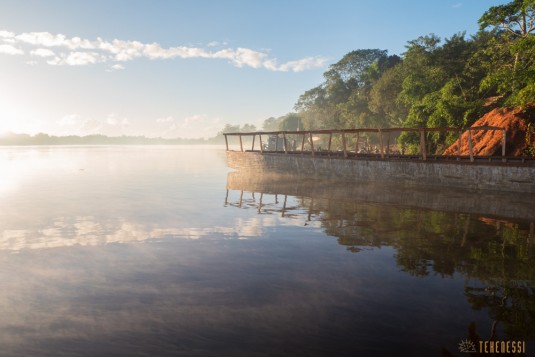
[{"x": 186, "y": 68}]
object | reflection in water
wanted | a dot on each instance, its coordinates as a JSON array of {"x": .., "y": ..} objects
[
  {"x": 131, "y": 251},
  {"x": 494, "y": 255}
]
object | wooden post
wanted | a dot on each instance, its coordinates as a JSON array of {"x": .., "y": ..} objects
[
  {"x": 226, "y": 141},
  {"x": 252, "y": 146},
  {"x": 226, "y": 198},
  {"x": 277, "y": 142},
  {"x": 422, "y": 144},
  {"x": 303, "y": 144},
  {"x": 284, "y": 142},
  {"x": 388, "y": 144},
  {"x": 260, "y": 202},
  {"x": 261, "y": 145},
  {"x": 381, "y": 142},
  {"x": 311, "y": 144},
  {"x": 344, "y": 143},
  {"x": 357, "y": 144},
  {"x": 330, "y": 139},
  {"x": 504, "y": 133},
  {"x": 241, "y": 198},
  {"x": 241, "y": 144},
  {"x": 459, "y": 145},
  {"x": 470, "y": 148}
]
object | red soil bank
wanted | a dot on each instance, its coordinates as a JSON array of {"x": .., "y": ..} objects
[{"x": 489, "y": 142}]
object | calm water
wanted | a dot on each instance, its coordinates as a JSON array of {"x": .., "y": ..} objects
[{"x": 154, "y": 251}]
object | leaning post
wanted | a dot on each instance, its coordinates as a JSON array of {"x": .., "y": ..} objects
[
  {"x": 470, "y": 148},
  {"x": 381, "y": 143},
  {"x": 504, "y": 133},
  {"x": 344, "y": 143},
  {"x": 422, "y": 144},
  {"x": 241, "y": 144},
  {"x": 226, "y": 141},
  {"x": 311, "y": 143}
]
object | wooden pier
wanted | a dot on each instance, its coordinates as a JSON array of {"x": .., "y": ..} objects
[{"x": 302, "y": 142}]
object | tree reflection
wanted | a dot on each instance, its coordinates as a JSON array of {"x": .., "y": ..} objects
[{"x": 494, "y": 255}]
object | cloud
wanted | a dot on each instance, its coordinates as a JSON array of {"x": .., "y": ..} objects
[
  {"x": 458, "y": 5},
  {"x": 42, "y": 52},
  {"x": 195, "y": 126},
  {"x": 10, "y": 50},
  {"x": 76, "y": 51}
]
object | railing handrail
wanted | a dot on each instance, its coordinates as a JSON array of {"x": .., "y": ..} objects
[{"x": 380, "y": 131}]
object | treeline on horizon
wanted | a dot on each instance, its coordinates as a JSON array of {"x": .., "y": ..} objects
[
  {"x": 97, "y": 139},
  {"x": 434, "y": 83}
]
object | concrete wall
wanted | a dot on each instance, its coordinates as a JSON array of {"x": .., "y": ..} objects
[{"x": 428, "y": 173}]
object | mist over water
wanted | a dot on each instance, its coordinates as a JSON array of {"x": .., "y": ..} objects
[{"x": 163, "y": 251}]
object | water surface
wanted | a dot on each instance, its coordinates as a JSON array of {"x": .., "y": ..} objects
[{"x": 161, "y": 251}]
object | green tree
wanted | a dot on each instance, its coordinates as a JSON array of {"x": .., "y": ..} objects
[{"x": 513, "y": 73}]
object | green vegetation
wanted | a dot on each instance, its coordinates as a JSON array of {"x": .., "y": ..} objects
[{"x": 435, "y": 83}]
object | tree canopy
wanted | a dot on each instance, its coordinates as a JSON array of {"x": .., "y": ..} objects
[{"x": 435, "y": 82}]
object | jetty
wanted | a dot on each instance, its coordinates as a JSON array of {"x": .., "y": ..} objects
[{"x": 347, "y": 154}]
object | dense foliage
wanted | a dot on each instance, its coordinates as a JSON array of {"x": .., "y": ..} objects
[{"x": 435, "y": 83}]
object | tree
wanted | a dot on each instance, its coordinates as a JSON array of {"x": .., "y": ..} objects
[
  {"x": 514, "y": 75},
  {"x": 291, "y": 122}
]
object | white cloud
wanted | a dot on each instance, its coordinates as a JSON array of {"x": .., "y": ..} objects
[
  {"x": 168, "y": 119},
  {"x": 195, "y": 126},
  {"x": 69, "y": 120},
  {"x": 42, "y": 52},
  {"x": 10, "y": 50},
  {"x": 458, "y": 5},
  {"x": 77, "y": 51}
]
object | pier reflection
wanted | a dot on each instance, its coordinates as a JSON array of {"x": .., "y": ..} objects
[{"x": 485, "y": 237}]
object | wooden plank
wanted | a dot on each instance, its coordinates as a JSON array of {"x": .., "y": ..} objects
[
  {"x": 470, "y": 148},
  {"x": 504, "y": 135},
  {"x": 459, "y": 145},
  {"x": 311, "y": 144},
  {"x": 226, "y": 141},
  {"x": 252, "y": 146},
  {"x": 381, "y": 143},
  {"x": 422, "y": 144},
  {"x": 344, "y": 143},
  {"x": 241, "y": 144}
]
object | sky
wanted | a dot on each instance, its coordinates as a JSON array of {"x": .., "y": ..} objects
[{"x": 172, "y": 68}]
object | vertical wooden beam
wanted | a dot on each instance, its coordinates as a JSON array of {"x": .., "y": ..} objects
[
  {"x": 330, "y": 140},
  {"x": 504, "y": 134},
  {"x": 226, "y": 141},
  {"x": 241, "y": 198},
  {"x": 381, "y": 142},
  {"x": 357, "y": 144},
  {"x": 277, "y": 142},
  {"x": 284, "y": 142},
  {"x": 241, "y": 144},
  {"x": 311, "y": 143},
  {"x": 459, "y": 145},
  {"x": 252, "y": 146},
  {"x": 344, "y": 143},
  {"x": 470, "y": 148},
  {"x": 260, "y": 202},
  {"x": 303, "y": 144},
  {"x": 261, "y": 145},
  {"x": 422, "y": 144},
  {"x": 388, "y": 144}
]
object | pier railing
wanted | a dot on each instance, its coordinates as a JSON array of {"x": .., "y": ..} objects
[{"x": 383, "y": 150}]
